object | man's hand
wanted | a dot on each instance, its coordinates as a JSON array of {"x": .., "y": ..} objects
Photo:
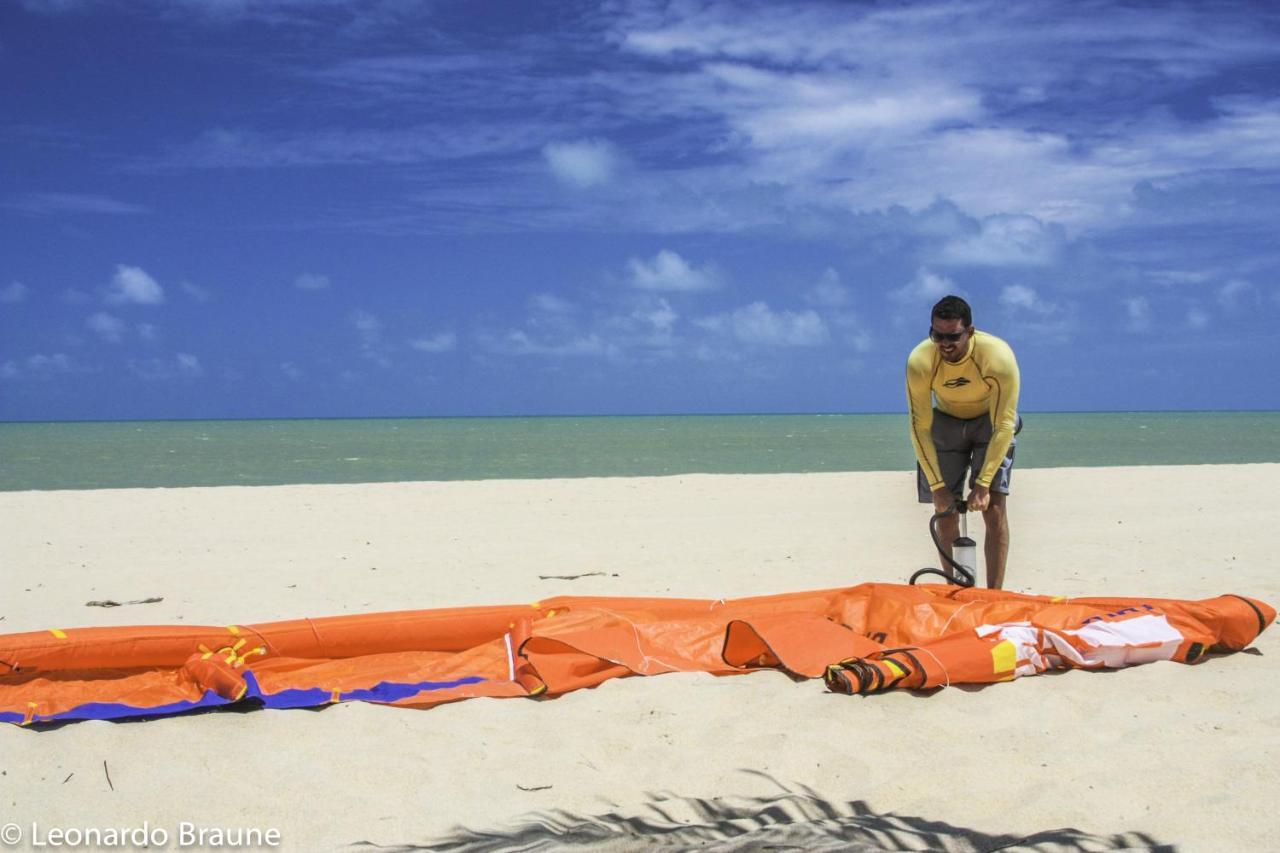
[
  {"x": 979, "y": 498},
  {"x": 942, "y": 500}
]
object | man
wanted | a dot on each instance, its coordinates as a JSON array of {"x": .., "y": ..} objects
[{"x": 973, "y": 377}]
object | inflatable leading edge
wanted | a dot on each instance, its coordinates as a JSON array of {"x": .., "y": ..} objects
[{"x": 862, "y": 639}]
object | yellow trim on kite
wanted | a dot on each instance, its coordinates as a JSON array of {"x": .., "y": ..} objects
[
  {"x": 1004, "y": 658},
  {"x": 58, "y": 632}
]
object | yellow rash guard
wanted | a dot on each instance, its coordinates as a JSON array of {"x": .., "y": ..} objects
[{"x": 985, "y": 381}]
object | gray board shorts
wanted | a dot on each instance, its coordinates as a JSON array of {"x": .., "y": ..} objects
[{"x": 962, "y": 445}]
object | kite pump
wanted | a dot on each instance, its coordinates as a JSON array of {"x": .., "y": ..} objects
[{"x": 964, "y": 551}]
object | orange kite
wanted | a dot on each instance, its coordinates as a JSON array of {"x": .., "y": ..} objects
[{"x": 861, "y": 639}]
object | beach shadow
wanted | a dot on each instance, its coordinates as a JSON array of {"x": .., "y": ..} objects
[{"x": 796, "y": 818}]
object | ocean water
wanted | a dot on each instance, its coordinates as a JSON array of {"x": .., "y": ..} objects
[{"x": 96, "y": 455}]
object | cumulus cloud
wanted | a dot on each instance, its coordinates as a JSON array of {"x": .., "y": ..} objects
[
  {"x": 38, "y": 366},
  {"x": 441, "y": 342},
  {"x": 367, "y": 326},
  {"x": 132, "y": 285},
  {"x": 1007, "y": 241},
  {"x": 669, "y": 272},
  {"x": 13, "y": 292},
  {"x": 549, "y": 303},
  {"x": 925, "y": 287},
  {"x": 107, "y": 327},
  {"x": 584, "y": 163},
  {"x": 660, "y": 320},
  {"x": 828, "y": 292},
  {"x": 369, "y": 331},
  {"x": 180, "y": 366},
  {"x": 1138, "y": 313},
  {"x": 1237, "y": 293},
  {"x": 311, "y": 281},
  {"x": 519, "y": 342},
  {"x": 759, "y": 325},
  {"x": 872, "y": 105},
  {"x": 1021, "y": 296},
  {"x": 1035, "y": 315}
]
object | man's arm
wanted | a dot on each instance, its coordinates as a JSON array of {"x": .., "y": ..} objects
[
  {"x": 920, "y": 413},
  {"x": 1000, "y": 371}
]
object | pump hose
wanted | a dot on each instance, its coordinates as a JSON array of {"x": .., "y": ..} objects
[{"x": 966, "y": 578}]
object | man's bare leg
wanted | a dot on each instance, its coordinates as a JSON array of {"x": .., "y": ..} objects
[{"x": 995, "y": 545}]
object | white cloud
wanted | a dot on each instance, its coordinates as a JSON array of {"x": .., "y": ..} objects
[
  {"x": 234, "y": 148},
  {"x": 659, "y": 316},
  {"x": 670, "y": 272},
  {"x": 133, "y": 285},
  {"x": 196, "y": 292},
  {"x": 13, "y": 292},
  {"x": 828, "y": 292},
  {"x": 1177, "y": 277},
  {"x": 851, "y": 330},
  {"x": 549, "y": 303},
  {"x": 1138, "y": 311},
  {"x": 584, "y": 163},
  {"x": 38, "y": 366},
  {"x": 369, "y": 329},
  {"x": 311, "y": 281},
  {"x": 147, "y": 331},
  {"x": 1197, "y": 318},
  {"x": 1236, "y": 293},
  {"x": 106, "y": 326},
  {"x": 291, "y": 371},
  {"x": 790, "y": 109},
  {"x": 1007, "y": 240},
  {"x": 180, "y": 366},
  {"x": 759, "y": 325},
  {"x": 925, "y": 287},
  {"x": 519, "y": 342},
  {"x": 1021, "y": 296},
  {"x": 1034, "y": 315},
  {"x": 441, "y": 342},
  {"x": 869, "y": 105},
  {"x": 644, "y": 328},
  {"x": 367, "y": 326}
]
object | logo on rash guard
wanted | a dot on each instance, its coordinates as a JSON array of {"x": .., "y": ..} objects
[{"x": 958, "y": 382}]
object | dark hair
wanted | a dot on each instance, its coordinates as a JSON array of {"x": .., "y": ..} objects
[{"x": 953, "y": 308}]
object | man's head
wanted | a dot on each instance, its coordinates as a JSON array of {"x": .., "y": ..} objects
[{"x": 950, "y": 326}]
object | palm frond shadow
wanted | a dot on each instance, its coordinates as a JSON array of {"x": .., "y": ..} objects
[{"x": 796, "y": 818}]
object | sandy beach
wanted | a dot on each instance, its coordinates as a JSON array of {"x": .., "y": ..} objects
[{"x": 1159, "y": 754}]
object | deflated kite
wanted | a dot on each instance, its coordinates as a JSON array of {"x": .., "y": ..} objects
[{"x": 862, "y": 639}]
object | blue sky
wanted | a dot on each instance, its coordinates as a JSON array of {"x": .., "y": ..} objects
[{"x": 294, "y": 208}]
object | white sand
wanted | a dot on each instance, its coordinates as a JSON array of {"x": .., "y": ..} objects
[{"x": 1186, "y": 755}]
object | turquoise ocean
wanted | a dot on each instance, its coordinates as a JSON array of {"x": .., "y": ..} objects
[{"x": 95, "y": 455}]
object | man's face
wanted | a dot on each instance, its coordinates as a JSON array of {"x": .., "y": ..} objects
[{"x": 942, "y": 332}]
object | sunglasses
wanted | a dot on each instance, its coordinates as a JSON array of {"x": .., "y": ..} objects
[{"x": 952, "y": 337}]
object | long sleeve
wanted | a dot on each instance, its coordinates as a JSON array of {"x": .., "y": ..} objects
[
  {"x": 1000, "y": 372},
  {"x": 920, "y": 413}
]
